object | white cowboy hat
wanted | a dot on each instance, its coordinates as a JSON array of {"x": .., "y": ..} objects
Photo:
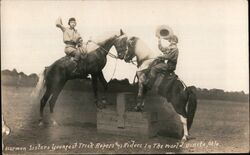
[{"x": 164, "y": 32}]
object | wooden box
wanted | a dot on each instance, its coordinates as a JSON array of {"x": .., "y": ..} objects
[{"x": 119, "y": 120}]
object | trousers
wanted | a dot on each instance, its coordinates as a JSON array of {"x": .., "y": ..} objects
[
  {"x": 158, "y": 68},
  {"x": 74, "y": 52}
]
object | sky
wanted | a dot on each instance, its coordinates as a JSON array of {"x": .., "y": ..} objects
[{"x": 213, "y": 35}]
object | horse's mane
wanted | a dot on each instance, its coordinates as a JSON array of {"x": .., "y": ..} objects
[
  {"x": 144, "y": 54},
  {"x": 144, "y": 51},
  {"x": 105, "y": 35},
  {"x": 100, "y": 40}
]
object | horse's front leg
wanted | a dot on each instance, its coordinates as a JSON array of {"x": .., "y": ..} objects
[
  {"x": 105, "y": 86},
  {"x": 53, "y": 100},
  {"x": 140, "y": 95},
  {"x": 94, "y": 86}
]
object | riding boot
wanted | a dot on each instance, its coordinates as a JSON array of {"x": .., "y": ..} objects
[
  {"x": 82, "y": 68},
  {"x": 84, "y": 64},
  {"x": 75, "y": 71},
  {"x": 77, "y": 64},
  {"x": 150, "y": 82}
]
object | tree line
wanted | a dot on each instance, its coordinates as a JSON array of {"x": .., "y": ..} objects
[{"x": 13, "y": 78}]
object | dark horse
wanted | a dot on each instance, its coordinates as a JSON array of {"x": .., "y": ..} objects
[
  {"x": 182, "y": 98},
  {"x": 55, "y": 76}
]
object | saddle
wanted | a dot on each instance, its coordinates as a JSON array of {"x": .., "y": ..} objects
[
  {"x": 80, "y": 66},
  {"x": 164, "y": 84}
]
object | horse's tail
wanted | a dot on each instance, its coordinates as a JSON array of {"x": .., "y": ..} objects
[
  {"x": 191, "y": 105},
  {"x": 40, "y": 84}
]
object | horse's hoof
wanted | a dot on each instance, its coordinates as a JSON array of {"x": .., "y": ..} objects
[
  {"x": 54, "y": 123},
  {"x": 137, "y": 109},
  {"x": 7, "y": 132},
  {"x": 101, "y": 106},
  {"x": 184, "y": 139},
  {"x": 142, "y": 108},
  {"x": 40, "y": 123},
  {"x": 104, "y": 102},
  {"x": 188, "y": 137}
]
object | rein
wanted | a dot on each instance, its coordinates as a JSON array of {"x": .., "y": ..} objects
[
  {"x": 134, "y": 61},
  {"x": 109, "y": 54}
]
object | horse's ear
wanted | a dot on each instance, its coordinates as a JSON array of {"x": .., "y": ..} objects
[{"x": 121, "y": 32}]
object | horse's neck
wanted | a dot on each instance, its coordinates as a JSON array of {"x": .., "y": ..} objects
[
  {"x": 107, "y": 44},
  {"x": 143, "y": 52}
]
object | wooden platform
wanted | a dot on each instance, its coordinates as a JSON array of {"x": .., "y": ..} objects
[
  {"x": 119, "y": 120},
  {"x": 135, "y": 124},
  {"x": 169, "y": 123},
  {"x": 159, "y": 118}
]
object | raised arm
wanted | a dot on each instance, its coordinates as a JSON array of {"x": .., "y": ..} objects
[{"x": 59, "y": 24}]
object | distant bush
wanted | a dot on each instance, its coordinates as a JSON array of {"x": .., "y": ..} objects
[
  {"x": 219, "y": 94},
  {"x": 13, "y": 78}
]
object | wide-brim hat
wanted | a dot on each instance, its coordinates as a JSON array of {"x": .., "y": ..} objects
[{"x": 164, "y": 31}]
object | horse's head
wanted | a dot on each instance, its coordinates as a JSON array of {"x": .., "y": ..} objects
[
  {"x": 130, "y": 54},
  {"x": 121, "y": 45}
]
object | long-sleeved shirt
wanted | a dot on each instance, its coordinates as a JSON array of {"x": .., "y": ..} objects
[
  {"x": 70, "y": 36},
  {"x": 170, "y": 53}
]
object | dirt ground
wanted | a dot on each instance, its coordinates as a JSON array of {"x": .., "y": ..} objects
[{"x": 219, "y": 126}]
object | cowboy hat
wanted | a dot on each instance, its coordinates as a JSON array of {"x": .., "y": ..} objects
[{"x": 164, "y": 32}]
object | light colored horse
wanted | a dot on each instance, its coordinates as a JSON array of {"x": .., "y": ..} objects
[{"x": 182, "y": 98}]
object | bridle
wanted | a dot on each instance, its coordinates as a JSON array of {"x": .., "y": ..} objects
[
  {"x": 109, "y": 54},
  {"x": 122, "y": 48},
  {"x": 130, "y": 52},
  {"x": 126, "y": 49}
]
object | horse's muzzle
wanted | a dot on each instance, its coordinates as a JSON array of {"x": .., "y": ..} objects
[
  {"x": 121, "y": 56},
  {"x": 127, "y": 60}
]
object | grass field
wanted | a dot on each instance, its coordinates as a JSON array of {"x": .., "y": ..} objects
[{"x": 219, "y": 126}]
